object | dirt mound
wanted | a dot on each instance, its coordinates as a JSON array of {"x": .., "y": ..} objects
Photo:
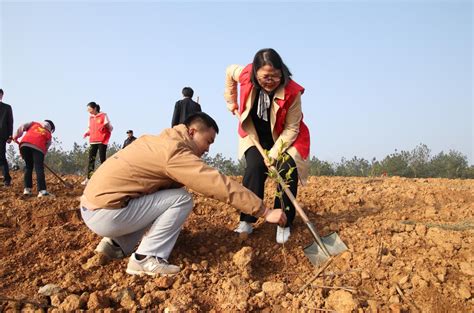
[{"x": 410, "y": 249}]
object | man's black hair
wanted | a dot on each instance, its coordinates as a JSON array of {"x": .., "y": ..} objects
[
  {"x": 1, "y": 91},
  {"x": 202, "y": 118},
  {"x": 188, "y": 92}
]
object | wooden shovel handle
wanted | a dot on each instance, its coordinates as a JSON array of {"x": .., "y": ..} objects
[{"x": 272, "y": 168}]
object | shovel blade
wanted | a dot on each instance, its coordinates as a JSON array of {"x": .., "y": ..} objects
[{"x": 333, "y": 244}]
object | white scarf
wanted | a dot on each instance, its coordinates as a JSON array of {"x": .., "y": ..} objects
[{"x": 263, "y": 105}]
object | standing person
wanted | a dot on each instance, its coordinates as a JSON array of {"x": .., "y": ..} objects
[
  {"x": 33, "y": 148},
  {"x": 130, "y": 138},
  {"x": 6, "y": 131},
  {"x": 99, "y": 133},
  {"x": 185, "y": 107},
  {"x": 270, "y": 111},
  {"x": 137, "y": 195}
]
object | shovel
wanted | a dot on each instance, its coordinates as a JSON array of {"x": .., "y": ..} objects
[{"x": 320, "y": 250}]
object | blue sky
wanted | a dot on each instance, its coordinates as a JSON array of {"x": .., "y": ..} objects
[{"x": 379, "y": 75}]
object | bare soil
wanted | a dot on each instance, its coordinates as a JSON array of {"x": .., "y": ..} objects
[{"x": 410, "y": 250}]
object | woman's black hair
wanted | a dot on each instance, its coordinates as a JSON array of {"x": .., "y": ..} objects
[
  {"x": 270, "y": 57},
  {"x": 94, "y": 106},
  {"x": 53, "y": 128}
]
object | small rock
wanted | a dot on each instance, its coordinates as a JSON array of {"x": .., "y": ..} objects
[
  {"x": 373, "y": 306},
  {"x": 58, "y": 298},
  {"x": 467, "y": 268},
  {"x": 394, "y": 299},
  {"x": 243, "y": 257},
  {"x": 146, "y": 301},
  {"x": 464, "y": 292},
  {"x": 342, "y": 301},
  {"x": 194, "y": 267},
  {"x": 403, "y": 280},
  {"x": 97, "y": 260},
  {"x": 71, "y": 303},
  {"x": 97, "y": 300},
  {"x": 164, "y": 282},
  {"x": 127, "y": 302},
  {"x": 364, "y": 275},
  {"x": 420, "y": 230},
  {"x": 49, "y": 290},
  {"x": 256, "y": 286},
  {"x": 395, "y": 308},
  {"x": 274, "y": 289}
]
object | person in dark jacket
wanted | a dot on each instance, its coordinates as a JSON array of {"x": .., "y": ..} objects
[
  {"x": 185, "y": 107},
  {"x": 6, "y": 131},
  {"x": 129, "y": 139}
]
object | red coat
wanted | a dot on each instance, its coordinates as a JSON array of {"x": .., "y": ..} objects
[
  {"x": 38, "y": 136},
  {"x": 99, "y": 132},
  {"x": 302, "y": 141}
]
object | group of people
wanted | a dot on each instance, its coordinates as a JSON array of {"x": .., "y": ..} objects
[
  {"x": 137, "y": 197},
  {"x": 34, "y": 143}
]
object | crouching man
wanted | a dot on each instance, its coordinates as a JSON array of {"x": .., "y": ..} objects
[{"x": 137, "y": 195}]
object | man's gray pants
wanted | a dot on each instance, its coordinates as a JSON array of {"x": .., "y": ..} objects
[{"x": 161, "y": 215}]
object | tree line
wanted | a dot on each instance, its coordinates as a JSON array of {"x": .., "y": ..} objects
[{"x": 417, "y": 163}]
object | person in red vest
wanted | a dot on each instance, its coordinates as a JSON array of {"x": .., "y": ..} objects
[
  {"x": 99, "y": 133},
  {"x": 270, "y": 111},
  {"x": 33, "y": 148}
]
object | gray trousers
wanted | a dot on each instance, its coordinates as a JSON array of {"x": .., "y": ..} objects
[{"x": 155, "y": 219}]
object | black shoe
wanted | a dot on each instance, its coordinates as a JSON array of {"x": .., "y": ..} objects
[{"x": 7, "y": 183}]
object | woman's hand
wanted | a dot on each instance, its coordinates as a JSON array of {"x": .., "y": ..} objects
[
  {"x": 269, "y": 161},
  {"x": 232, "y": 107},
  {"x": 276, "y": 216}
]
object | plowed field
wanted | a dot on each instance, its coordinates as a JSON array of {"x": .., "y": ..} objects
[{"x": 411, "y": 249}]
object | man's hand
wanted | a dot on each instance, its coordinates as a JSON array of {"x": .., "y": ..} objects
[{"x": 276, "y": 216}]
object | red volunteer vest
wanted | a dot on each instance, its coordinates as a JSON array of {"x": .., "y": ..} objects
[
  {"x": 302, "y": 141},
  {"x": 97, "y": 130},
  {"x": 38, "y": 136}
]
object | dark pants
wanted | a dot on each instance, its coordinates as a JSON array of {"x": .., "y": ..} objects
[
  {"x": 3, "y": 161},
  {"x": 92, "y": 154},
  {"x": 254, "y": 179},
  {"x": 33, "y": 158}
]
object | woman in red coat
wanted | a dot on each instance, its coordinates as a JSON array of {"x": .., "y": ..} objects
[
  {"x": 270, "y": 111},
  {"x": 33, "y": 148},
  {"x": 99, "y": 133}
]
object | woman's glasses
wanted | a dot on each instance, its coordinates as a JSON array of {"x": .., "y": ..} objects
[{"x": 269, "y": 78}]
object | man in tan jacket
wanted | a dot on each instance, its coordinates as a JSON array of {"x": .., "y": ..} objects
[{"x": 137, "y": 194}]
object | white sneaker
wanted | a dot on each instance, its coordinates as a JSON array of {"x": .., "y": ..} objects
[
  {"x": 107, "y": 247},
  {"x": 27, "y": 191},
  {"x": 244, "y": 227},
  {"x": 85, "y": 181},
  {"x": 283, "y": 234},
  {"x": 44, "y": 193},
  {"x": 150, "y": 266}
]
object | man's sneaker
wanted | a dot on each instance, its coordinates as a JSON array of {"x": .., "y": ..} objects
[
  {"x": 282, "y": 235},
  {"x": 7, "y": 183},
  {"x": 106, "y": 246},
  {"x": 44, "y": 193},
  {"x": 85, "y": 181},
  {"x": 244, "y": 227},
  {"x": 27, "y": 192},
  {"x": 150, "y": 266}
]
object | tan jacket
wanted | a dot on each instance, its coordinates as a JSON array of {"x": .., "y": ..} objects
[
  {"x": 166, "y": 161},
  {"x": 292, "y": 122}
]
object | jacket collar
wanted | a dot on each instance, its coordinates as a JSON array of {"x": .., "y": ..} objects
[{"x": 182, "y": 132}]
